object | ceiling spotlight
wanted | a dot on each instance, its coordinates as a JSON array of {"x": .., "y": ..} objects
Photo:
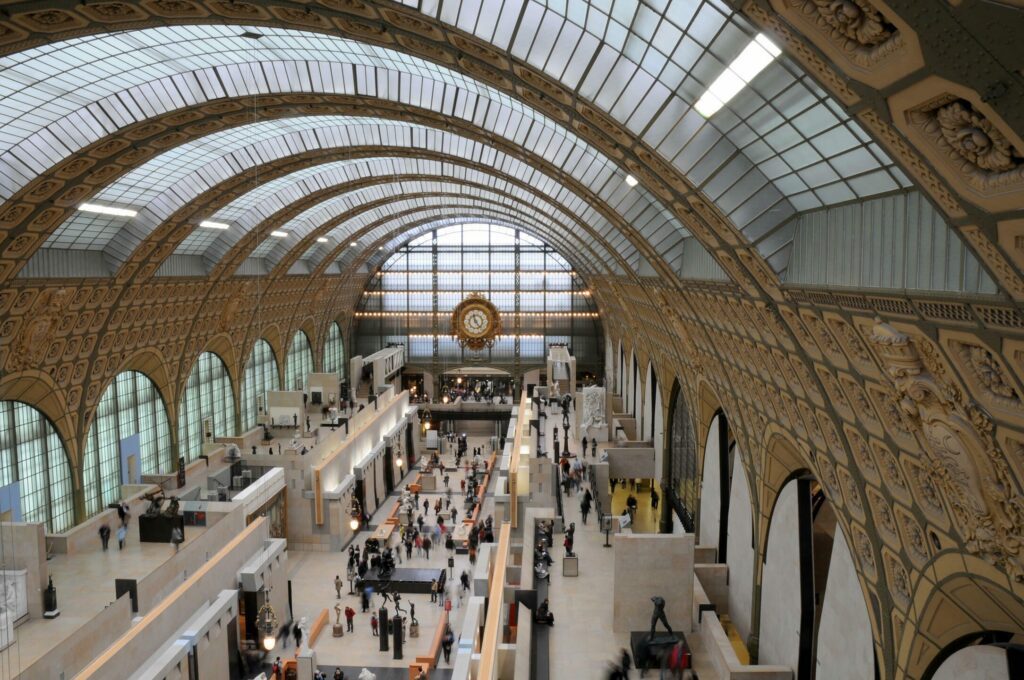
[
  {"x": 354, "y": 244},
  {"x": 381, "y": 248},
  {"x": 321, "y": 239},
  {"x": 107, "y": 210},
  {"x": 214, "y": 225},
  {"x": 279, "y": 234},
  {"x": 754, "y": 58},
  {"x": 631, "y": 181}
]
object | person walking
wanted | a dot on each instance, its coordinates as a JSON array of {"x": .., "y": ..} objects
[
  {"x": 446, "y": 645},
  {"x": 297, "y": 632},
  {"x": 177, "y": 538},
  {"x": 373, "y": 625},
  {"x": 426, "y": 506},
  {"x": 447, "y": 478},
  {"x": 350, "y": 617},
  {"x": 426, "y": 546},
  {"x": 338, "y": 583},
  {"x": 584, "y": 445},
  {"x": 105, "y": 535},
  {"x": 585, "y": 507},
  {"x": 654, "y": 498},
  {"x": 433, "y": 590},
  {"x": 455, "y": 513},
  {"x": 122, "y": 536}
]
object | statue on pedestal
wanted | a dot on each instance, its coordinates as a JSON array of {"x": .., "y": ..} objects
[
  {"x": 156, "y": 499},
  {"x": 172, "y": 508},
  {"x": 659, "y": 615}
]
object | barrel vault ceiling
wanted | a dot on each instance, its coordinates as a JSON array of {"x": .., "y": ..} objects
[{"x": 352, "y": 126}]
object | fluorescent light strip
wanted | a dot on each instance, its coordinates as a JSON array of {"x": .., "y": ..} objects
[
  {"x": 631, "y": 181},
  {"x": 107, "y": 210},
  {"x": 321, "y": 239},
  {"x": 214, "y": 225},
  {"x": 279, "y": 234},
  {"x": 754, "y": 58}
]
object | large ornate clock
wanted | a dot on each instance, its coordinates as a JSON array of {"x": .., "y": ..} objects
[{"x": 476, "y": 322}]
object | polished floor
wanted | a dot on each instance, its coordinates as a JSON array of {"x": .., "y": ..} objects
[
  {"x": 582, "y": 641},
  {"x": 312, "y": 575}
]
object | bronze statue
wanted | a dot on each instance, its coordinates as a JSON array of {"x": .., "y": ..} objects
[
  {"x": 172, "y": 507},
  {"x": 659, "y": 615},
  {"x": 156, "y": 499}
]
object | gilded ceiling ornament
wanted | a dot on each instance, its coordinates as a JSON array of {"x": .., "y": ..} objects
[
  {"x": 963, "y": 458},
  {"x": 29, "y": 347},
  {"x": 987, "y": 372},
  {"x": 865, "y": 553},
  {"x": 855, "y": 20},
  {"x": 974, "y": 138}
]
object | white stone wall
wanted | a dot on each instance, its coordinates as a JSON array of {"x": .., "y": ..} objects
[
  {"x": 710, "y": 490},
  {"x": 981, "y": 662},
  {"x": 647, "y": 565},
  {"x": 845, "y": 648},
  {"x": 780, "y": 585},
  {"x": 740, "y": 549}
]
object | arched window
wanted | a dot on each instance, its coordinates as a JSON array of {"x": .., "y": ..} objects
[
  {"x": 299, "y": 362},
  {"x": 259, "y": 377},
  {"x": 334, "y": 352},
  {"x": 682, "y": 451},
  {"x": 32, "y": 453},
  {"x": 131, "y": 405},
  {"x": 207, "y": 396}
]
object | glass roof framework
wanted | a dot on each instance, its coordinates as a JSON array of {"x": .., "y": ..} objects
[
  {"x": 271, "y": 196},
  {"x": 193, "y": 172},
  {"x": 304, "y": 224},
  {"x": 779, "y": 147},
  {"x": 371, "y": 226},
  {"x": 90, "y": 87},
  {"x": 647, "y": 62},
  {"x": 396, "y": 232},
  {"x": 396, "y": 229}
]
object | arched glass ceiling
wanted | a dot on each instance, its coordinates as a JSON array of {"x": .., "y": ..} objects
[
  {"x": 271, "y": 196},
  {"x": 395, "y": 232},
  {"x": 781, "y": 145},
  {"x": 119, "y": 236},
  {"x": 372, "y": 225},
  {"x": 304, "y": 224},
  {"x": 395, "y": 229}
]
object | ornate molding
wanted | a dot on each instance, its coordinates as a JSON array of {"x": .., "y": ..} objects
[{"x": 961, "y": 453}]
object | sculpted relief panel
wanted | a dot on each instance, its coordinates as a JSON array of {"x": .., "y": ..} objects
[{"x": 961, "y": 455}]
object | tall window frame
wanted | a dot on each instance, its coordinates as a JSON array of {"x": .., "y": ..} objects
[
  {"x": 208, "y": 394},
  {"x": 334, "y": 351},
  {"x": 298, "y": 362},
  {"x": 33, "y": 454},
  {"x": 130, "y": 405},
  {"x": 682, "y": 448},
  {"x": 259, "y": 377}
]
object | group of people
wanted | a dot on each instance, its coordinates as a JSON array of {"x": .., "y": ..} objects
[{"x": 123, "y": 517}]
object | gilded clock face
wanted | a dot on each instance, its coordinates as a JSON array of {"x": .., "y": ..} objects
[{"x": 475, "y": 322}]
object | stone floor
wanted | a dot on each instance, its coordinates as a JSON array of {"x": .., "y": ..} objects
[
  {"x": 85, "y": 585},
  {"x": 312, "y": 575},
  {"x": 582, "y": 641}
]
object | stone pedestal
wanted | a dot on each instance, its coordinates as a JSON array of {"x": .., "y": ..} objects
[
  {"x": 414, "y": 630},
  {"x": 338, "y": 630}
]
